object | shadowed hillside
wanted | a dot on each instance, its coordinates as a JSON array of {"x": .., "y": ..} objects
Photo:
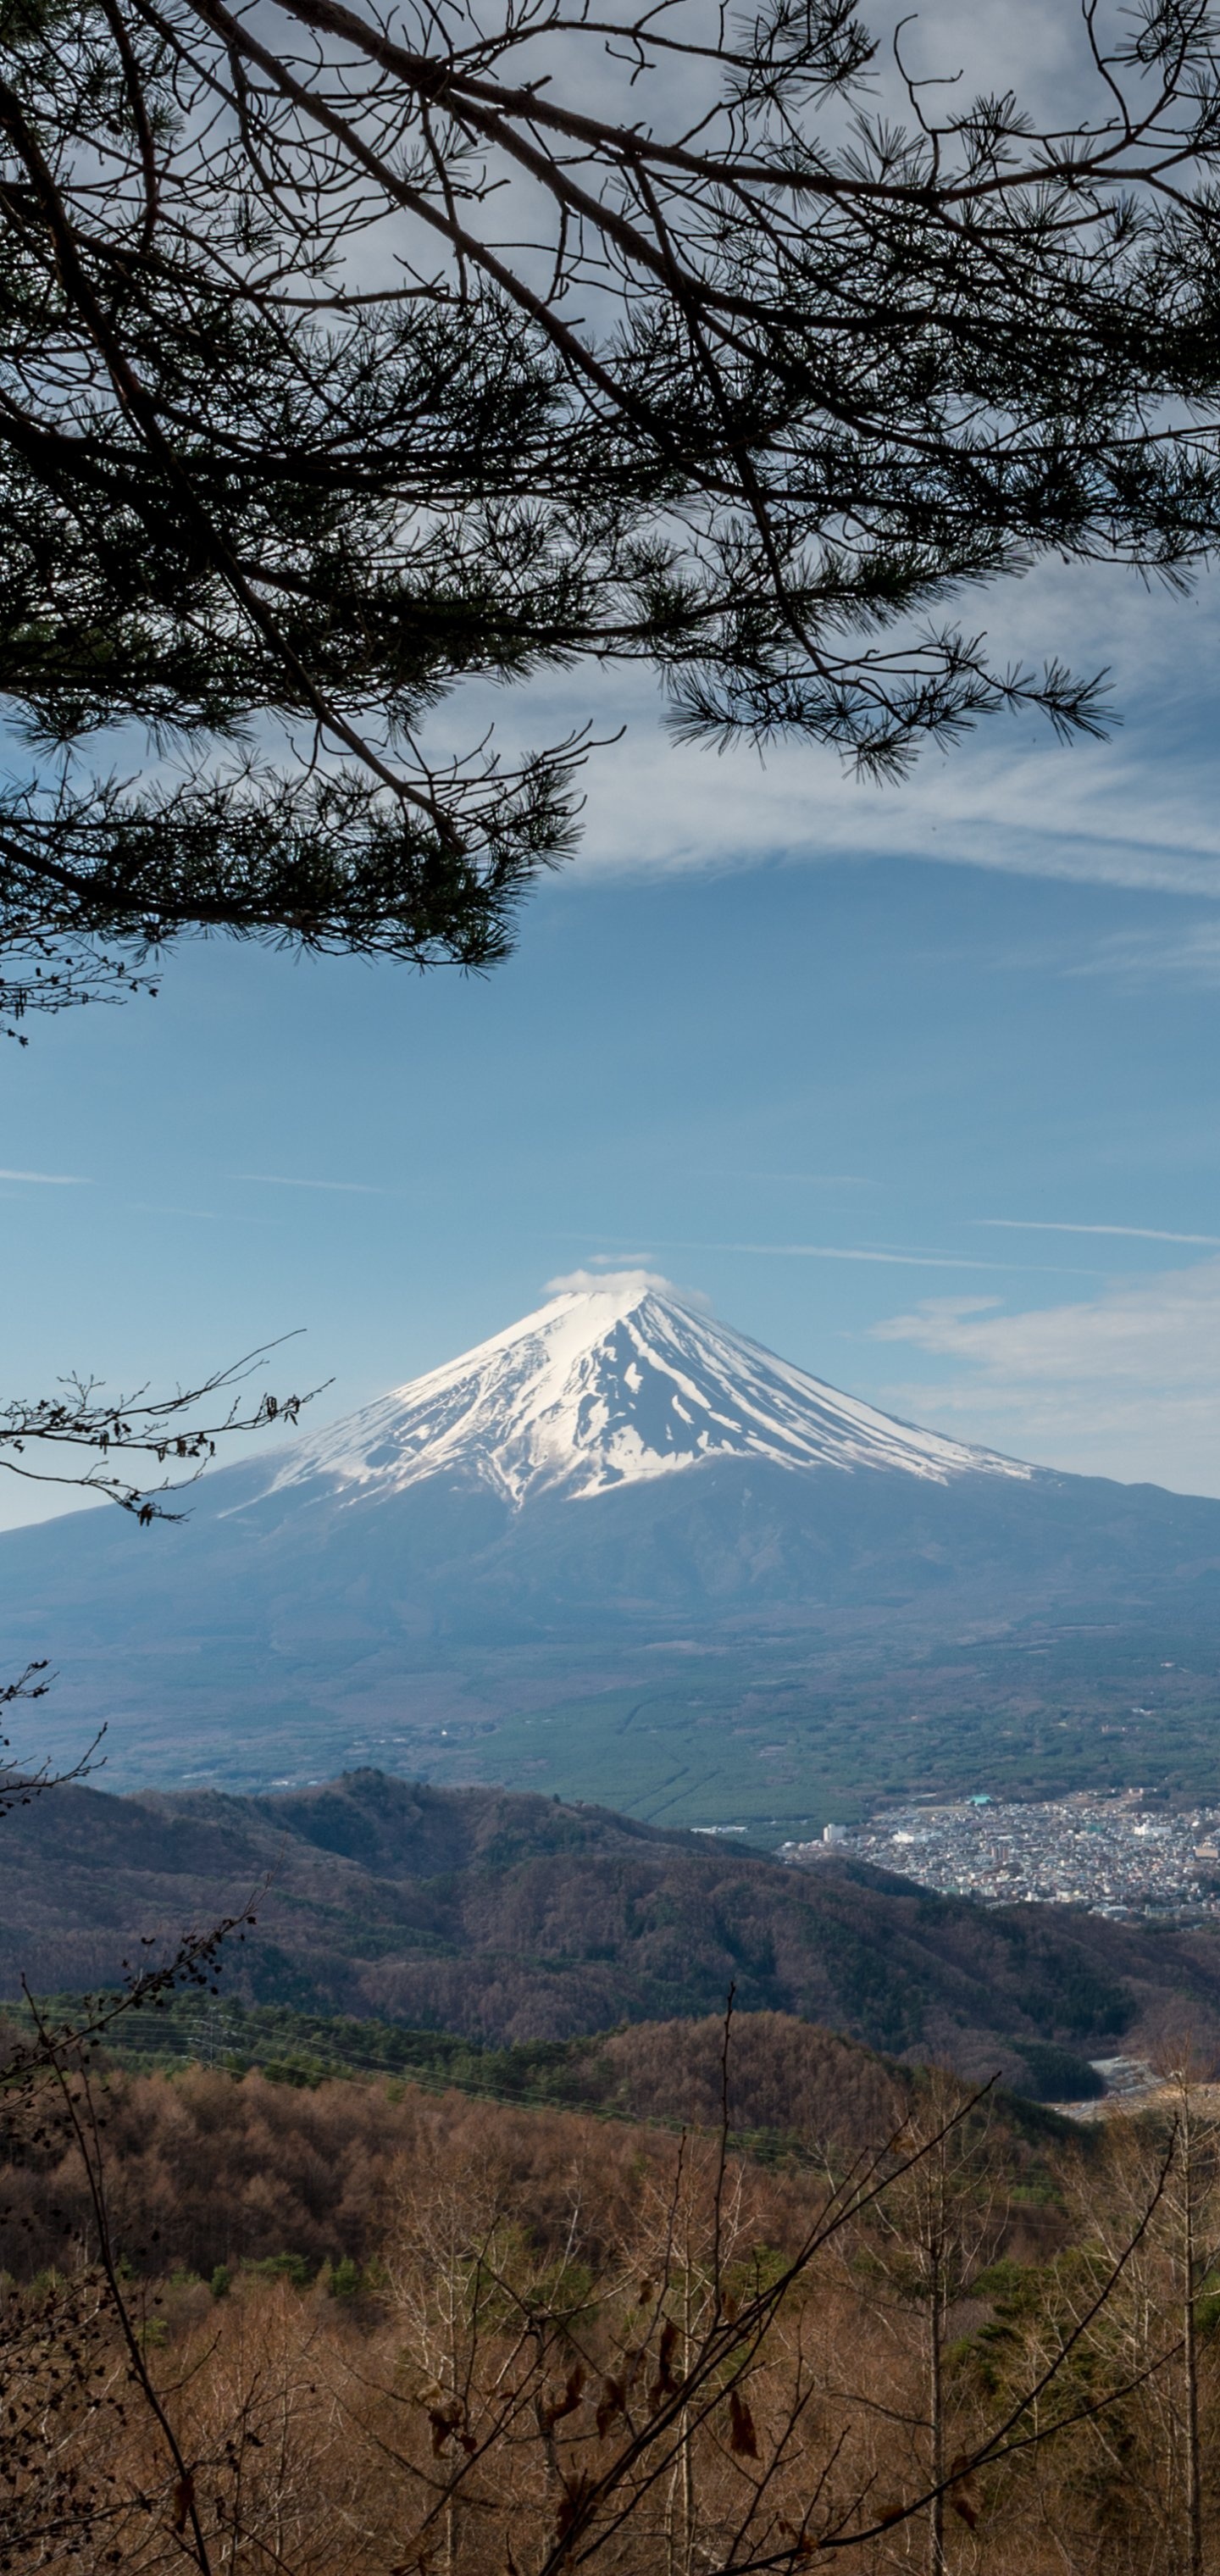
[{"x": 509, "y": 1918}]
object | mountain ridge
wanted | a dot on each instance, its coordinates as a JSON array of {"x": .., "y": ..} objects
[{"x": 507, "y": 1917}]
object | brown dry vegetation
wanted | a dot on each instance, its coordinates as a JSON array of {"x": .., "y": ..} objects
[
  {"x": 517, "y": 2341},
  {"x": 203, "y": 2169}
]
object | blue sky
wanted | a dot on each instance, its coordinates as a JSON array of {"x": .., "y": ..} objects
[
  {"x": 920, "y": 1089},
  {"x": 920, "y": 1086}
]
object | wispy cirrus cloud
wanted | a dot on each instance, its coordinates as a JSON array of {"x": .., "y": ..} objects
[
  {"x": 1057, "y": 1225},
  {"x": 50, "y": 1180},
  {"x": 1189, "y": 954},
  {"x": 1083, "y": 815},
  {"x": 893, "y": 1256}
]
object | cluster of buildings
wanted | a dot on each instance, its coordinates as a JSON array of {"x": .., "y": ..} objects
[{"x": 1118, "y": 1854}]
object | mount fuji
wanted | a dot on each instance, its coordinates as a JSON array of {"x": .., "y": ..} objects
[
  {"x": 616, "y": 1496},
  {"x": 613, "y": 1384}
]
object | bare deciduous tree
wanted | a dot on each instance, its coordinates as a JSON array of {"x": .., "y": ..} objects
[{"x": 178, "y": 1431}]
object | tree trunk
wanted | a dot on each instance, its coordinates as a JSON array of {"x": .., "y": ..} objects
[
  {"x": 1190, "y": 2351},
  {"x": 936, "y": 2416}
]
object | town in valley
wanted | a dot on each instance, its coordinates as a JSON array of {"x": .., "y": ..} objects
[{"x": 1122, "y": 1853}]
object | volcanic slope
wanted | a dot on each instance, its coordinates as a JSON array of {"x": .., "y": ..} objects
[
  {"x": 608, "y": 1387},
  {"x": 615, "y": 1478}
]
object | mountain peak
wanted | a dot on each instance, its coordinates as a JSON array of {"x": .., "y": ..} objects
[{"x": 619, "y": 1379}]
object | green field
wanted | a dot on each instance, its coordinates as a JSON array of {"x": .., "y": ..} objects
[{"x": 749, "y": 1739}]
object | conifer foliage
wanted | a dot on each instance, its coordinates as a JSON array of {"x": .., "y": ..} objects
[{"x": 347, "y": 355}]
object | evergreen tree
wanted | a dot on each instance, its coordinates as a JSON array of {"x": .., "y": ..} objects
[{"x": 347, "y": 356}]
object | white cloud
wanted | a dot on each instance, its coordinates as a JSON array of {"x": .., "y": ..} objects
[
  {"x": 1085, "y": 815},
  {"x": 1123, "y": 1384},
  {"x": 611, "y": 1282},
  {"x": 50, "y": 1180},
  {"x": 1136, "y": 812}
]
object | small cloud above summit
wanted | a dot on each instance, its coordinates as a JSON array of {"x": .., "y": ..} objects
[{"x": 612, "y": 1282}]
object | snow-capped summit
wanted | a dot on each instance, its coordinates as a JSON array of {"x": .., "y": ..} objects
[
  {"x": 618, "y": 1380},
  {"x": 616, "y": 1506}
]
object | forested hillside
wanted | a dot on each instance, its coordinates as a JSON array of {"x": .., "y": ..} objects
[
  {"x": 504, "y": 1918},
  {"x": 331, "y": 2318},
  {"x": 244, "y": 2162}
]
